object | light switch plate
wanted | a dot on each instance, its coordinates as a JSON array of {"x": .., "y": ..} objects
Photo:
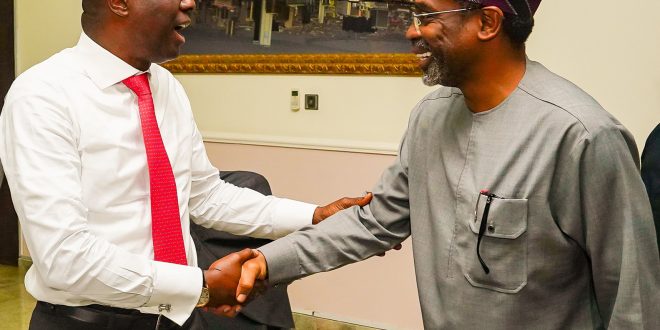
[{"x": 311, "y": 101}]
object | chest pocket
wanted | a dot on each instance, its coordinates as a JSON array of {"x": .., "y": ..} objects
[{"x": 503, "y": 246}]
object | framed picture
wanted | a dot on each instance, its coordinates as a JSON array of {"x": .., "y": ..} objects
[{"x": 298, "y": 37}]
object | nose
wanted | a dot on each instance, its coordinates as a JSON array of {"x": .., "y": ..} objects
[
  {"x": 411, "y": 33},
  {"x": 187, "y": 5}
]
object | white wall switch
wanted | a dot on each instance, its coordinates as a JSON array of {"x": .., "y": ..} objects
[{"x": 295, "y": 100}]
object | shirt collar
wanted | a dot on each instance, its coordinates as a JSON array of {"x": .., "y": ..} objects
[{"x": 104, "y": 68}]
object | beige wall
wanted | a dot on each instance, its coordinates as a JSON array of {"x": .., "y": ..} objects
[
  {"x": 610, "y": 48},
  {"x": 362, "y": 292}
]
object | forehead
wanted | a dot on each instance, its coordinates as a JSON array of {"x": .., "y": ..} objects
[{"x": 435, "y": 4}]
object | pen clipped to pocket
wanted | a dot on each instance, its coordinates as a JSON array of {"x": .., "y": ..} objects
[
  {"x": 498, "y": 257},
  {"x": 484, "y": 220}
]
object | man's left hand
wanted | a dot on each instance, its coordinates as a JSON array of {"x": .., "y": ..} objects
[{"x": 323, "y": 212}]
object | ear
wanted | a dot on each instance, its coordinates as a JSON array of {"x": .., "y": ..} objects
[
  {"x": 119, "y": 7},
  {"x": 491, "y": 23}
]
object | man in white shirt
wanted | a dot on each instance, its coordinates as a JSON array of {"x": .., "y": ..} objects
[{"x": 82, "y": 178}]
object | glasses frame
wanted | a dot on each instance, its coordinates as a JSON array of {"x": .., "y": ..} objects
[{"x": 418, "y": 23}]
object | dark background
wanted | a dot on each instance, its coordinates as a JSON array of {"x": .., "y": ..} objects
[{"x": 8, "y": 218}]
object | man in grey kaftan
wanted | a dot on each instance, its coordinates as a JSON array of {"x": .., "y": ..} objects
[
  {"x": 522, "y": 194},
  {"x": 571, "y": 245}
]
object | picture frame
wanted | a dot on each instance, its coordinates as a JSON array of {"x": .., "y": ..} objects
[
  {"x": 393, "y": 64},
  {"x": 337, "y": 37}
]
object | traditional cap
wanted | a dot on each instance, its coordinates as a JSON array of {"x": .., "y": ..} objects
[{"x": 525, "y": 8}]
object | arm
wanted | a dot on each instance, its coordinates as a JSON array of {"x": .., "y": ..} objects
[
  {"x": 603, "y": 207},
  {"x": 352, "y": 235},
  {"x": 241, "y": 211}
]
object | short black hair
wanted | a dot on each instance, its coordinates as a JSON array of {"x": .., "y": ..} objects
[{"x": 516, "y": 28}]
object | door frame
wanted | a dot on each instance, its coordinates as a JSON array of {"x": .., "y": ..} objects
[{"x": 9, "y": 236}]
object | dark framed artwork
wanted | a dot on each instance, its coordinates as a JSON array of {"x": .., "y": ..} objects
[{"x": 298, "y": 37}]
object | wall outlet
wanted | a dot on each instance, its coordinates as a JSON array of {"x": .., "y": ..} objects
[{"x": 311, "y": 101}]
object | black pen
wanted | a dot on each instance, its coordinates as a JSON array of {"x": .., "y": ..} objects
[{"x": 482, "y": 227}]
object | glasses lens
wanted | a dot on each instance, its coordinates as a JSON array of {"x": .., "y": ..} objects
[{"x": 417, "y": 23}]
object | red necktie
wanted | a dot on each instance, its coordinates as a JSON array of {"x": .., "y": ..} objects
[{"x": 165, "y": 219}]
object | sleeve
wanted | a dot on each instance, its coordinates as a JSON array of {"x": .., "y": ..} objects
[
  {"x": 604, "y": 208},
  {"x": 240, "y": 211},
  {"x": 43, "y": 167},
  {"x": 348, "y": 236}
]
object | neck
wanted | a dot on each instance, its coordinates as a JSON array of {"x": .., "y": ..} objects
[
  {"x": 494, "y": 80},
  {"x": 116, "y": 44}
]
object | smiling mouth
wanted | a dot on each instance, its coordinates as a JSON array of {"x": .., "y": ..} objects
[
  {"x": 181, "y": 26},
  {"x": 423, "y": 56}
]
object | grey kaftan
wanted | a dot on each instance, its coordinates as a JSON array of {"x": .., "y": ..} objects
[{"x": 570, "y": 243}]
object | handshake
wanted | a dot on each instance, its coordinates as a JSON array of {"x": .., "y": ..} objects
[
  {"x": 233, "y": 279},
  {"x": 237, "y": 278}
]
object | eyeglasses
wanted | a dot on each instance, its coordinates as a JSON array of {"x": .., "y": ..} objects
[{"x": 417, "y": 22}]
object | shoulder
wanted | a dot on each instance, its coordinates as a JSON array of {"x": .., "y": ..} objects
[
  {"x": 566, "y": 104},
  {"x": 45, "y": 81},
  {"x": 563, "y": 98},
  {"x": 653, "y": 141}
]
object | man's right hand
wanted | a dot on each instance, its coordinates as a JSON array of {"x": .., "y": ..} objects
[
  {"x": 253, "y": 269},
  {"x": 222, "y": 278}
]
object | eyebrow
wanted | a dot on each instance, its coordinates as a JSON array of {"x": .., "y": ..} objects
[{"x": 422, "y": 6}]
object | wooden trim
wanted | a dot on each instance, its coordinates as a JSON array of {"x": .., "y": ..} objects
[
  {"x": 336, "y": 64},
  {"x": 368, "y": 147}
]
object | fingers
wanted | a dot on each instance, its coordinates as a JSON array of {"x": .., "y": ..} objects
[
  {"x": 224, "y": 310},
  {"x": 347, "y": 202},
  {"x": 246, "y": 254},
  {"x": 253, "y": 270},
  {"x": 321, "y": 213},
  {"x": 366, "y": 199},
  {"x": 396, "y": 247},
  {"x": 257, "y": 290},
  {"x": 246, "y": 283}
]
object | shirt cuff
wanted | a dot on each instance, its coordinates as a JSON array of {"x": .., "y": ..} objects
[
  {"x": 176, "y": 286},
  {"x": 291, "y": 215},
  {"x": 282, "y": 261}
]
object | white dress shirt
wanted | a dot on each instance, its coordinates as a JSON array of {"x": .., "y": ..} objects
[{"x": 72, "y": 150}]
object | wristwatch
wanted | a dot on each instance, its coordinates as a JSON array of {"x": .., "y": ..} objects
[{"x": 204, "y": 297}]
